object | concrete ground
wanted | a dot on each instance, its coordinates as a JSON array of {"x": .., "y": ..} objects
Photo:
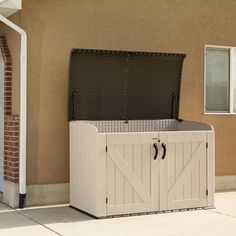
[{"x": 62, "y": 220}]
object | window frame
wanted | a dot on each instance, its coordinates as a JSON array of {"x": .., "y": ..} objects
[{"x": 232, "y": 76}]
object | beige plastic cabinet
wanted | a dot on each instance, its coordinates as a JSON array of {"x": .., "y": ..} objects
[{"x": 118, "y": 173}]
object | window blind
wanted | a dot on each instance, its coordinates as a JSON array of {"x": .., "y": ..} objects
[{"x": 217, "y": 80}]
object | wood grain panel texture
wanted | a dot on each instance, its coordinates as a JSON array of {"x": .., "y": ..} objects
[
  {"x": 121, "y": 190},
  {"x": 186, "y": 172}
]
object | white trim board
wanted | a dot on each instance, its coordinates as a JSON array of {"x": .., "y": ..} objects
[
  {"x": 42, "y": 194},
  {"x": 59, "y": 193},
  {"x": 45, "y": 194},
  {"x": 225, "y": 183}
]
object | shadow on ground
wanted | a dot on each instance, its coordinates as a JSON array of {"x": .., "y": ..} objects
[
  {"x": 63, "y": 220},
  {"x": 11, "y": 218}
]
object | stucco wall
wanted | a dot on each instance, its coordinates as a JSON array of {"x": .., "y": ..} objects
[{"x": 56, "y": 26}]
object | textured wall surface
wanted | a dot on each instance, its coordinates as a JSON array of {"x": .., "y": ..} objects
[
  {"x": 10, "y": 133},
  {"x": 56, "y": 26}
]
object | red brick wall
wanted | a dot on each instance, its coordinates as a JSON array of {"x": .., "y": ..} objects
[{"x": 11, "y": 122}]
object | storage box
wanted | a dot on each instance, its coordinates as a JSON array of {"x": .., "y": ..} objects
[{"x": 129, "y": 151}]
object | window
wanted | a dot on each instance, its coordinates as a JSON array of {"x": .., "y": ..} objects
[{"x": 220, "y": 80}]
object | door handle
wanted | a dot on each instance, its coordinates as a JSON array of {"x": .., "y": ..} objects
[
  {"x": 156, "y": 150},
  {"x": 164, "y": 150}
]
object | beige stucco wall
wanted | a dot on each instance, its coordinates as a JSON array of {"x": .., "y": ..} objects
[{"x": 56, "y": 26}]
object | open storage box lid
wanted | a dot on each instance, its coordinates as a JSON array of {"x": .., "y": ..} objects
[{"x": 124, "y": 85}]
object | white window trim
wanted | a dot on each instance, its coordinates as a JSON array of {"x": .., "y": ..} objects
[{"x": 232, "y": 74}]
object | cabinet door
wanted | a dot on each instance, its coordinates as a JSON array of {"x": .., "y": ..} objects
[
  {"x": 183, "y": 173},
  {"x": 128, "y": 173}
]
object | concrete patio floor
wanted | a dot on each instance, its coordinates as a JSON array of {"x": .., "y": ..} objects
[{"x": 62, "y": 220}]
